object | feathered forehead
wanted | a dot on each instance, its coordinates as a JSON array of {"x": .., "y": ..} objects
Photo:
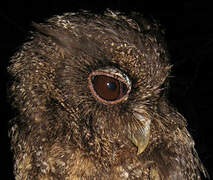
[
  {"x": 117, "y": 26},
  {"x": 111, "y": 33},
  {"x": 110, "y": 20}
]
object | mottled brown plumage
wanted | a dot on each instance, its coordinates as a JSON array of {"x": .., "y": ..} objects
[{"x": 65, "y": 131}]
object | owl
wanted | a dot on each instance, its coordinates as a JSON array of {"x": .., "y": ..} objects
[{"x": 90, "y": 92}]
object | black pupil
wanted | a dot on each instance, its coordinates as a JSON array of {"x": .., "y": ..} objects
[{"x": 111, "y": 86}]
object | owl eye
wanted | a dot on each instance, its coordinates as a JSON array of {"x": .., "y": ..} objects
[{"x": 108, "y": 88}]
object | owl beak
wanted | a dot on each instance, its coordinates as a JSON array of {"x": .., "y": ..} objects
[{"x": 140, "y": 132}]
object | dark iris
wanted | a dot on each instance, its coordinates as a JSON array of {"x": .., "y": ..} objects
[{"x": 108, "y": 88}]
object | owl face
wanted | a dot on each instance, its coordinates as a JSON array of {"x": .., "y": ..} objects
[
  {"x": 110, "y": 76},
  {"x": 105, "y": 72}
]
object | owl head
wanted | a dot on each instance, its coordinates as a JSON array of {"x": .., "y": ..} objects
[{"x": 97, "y": 83}]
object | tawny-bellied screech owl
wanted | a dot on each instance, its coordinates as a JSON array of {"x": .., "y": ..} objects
[{"x": 90, "y": 91}]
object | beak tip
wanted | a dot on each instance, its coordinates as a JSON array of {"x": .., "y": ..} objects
[{"x": 141, "y": 149}]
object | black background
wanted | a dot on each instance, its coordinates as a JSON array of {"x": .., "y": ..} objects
[{"x": 189, "y": 32}]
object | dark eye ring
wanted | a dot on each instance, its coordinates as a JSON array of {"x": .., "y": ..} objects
[{"x": 109, "y": 85}]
